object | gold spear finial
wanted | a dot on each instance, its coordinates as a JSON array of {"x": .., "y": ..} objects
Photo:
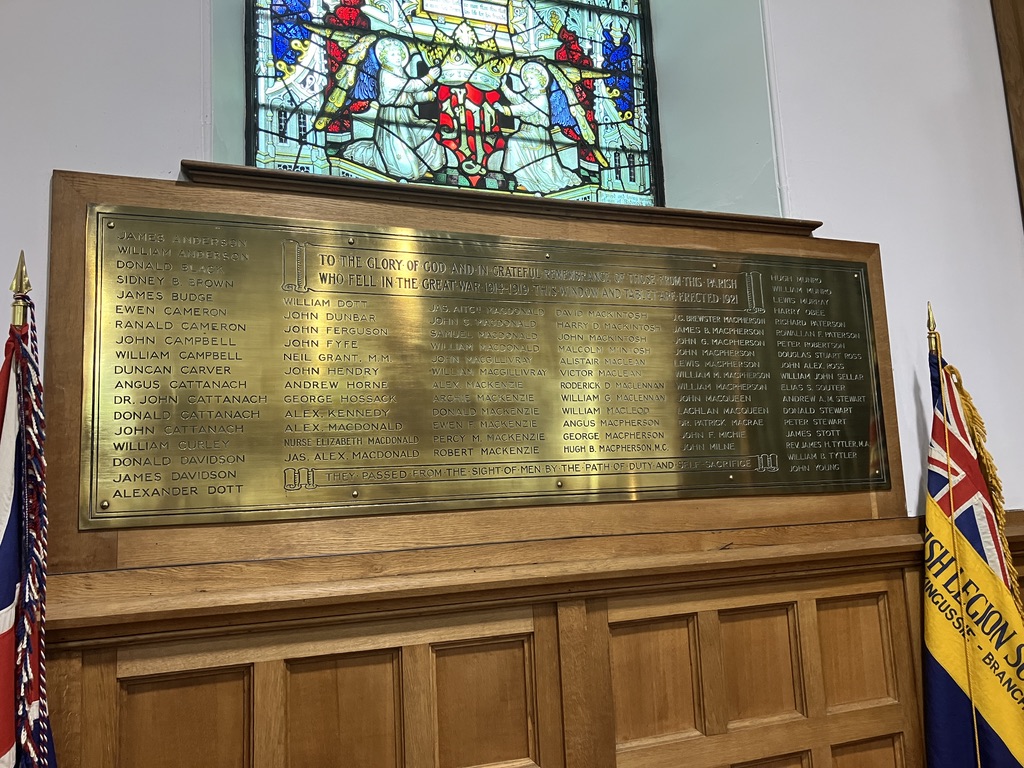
[
  {"x": 933, "y": 335},
  {"x": 20, "y": 286}
]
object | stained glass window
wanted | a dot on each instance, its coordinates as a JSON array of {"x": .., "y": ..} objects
[{"x": 524, "y": 96}]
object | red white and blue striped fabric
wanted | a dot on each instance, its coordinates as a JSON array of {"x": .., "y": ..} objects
[
  {"x": 25, "y": 737},
  {"x": 956, "y": 475},
  {"x": 10, "y": 571}
]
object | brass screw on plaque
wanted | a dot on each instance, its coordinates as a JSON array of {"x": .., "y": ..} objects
[
  {"x": 559, "y": 483},
  {"x": 355, "y": 494},
  {"x": 110, "y": 225},
  {"x": 104, "y": 504}
]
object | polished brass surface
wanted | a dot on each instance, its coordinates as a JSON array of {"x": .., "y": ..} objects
[
  {"x": 20, "y": 287},
  {"x": 933, "y": 335},
  {"x": 264, "y": 368}
]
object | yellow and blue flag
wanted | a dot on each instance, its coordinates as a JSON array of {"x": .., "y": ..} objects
[{"x": 973, "y": 632}]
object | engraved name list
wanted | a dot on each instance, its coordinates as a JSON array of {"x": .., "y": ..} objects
[{"x": 249, "y": 367}]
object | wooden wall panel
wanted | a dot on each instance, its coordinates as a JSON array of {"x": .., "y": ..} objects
[
  {"x": 738, "y": 657},
  {"x": 64, "y": 687},
  {"x": 761, "y": 658},
  {"x": 100, "y": 696},
  {"x": 347, "y": 705},
  {"x": 486, "y": 707},
  {"x": 799, "y": 673},
  {"x": 452, "y": 690},
  {"x": 269, "y": 712},
  {"x": 201, "y": 719},
  {"x": 587, "y": 706},
  {"x": 789, "y": 761},
  {"x": 655, "y": 679},
  {"x": 795, "y": 672},
  {"x": 885, "y": 752},
  {"x": 856, "y": 628},
  {"x": 419, "y": 701},
  {"x": 549, "y": 686}
]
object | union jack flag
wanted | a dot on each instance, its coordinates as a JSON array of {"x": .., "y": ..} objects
[
  {"x": 955, "y": 477},
  {"x": 973, "y": 630},
  {"x": 25, "y": 736}
]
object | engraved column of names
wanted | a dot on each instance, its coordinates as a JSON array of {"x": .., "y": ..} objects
[
  {"x": 825, "y": 389},
  {"x": 722, "y": 386},
  {"x": 344, "y": 410},
  {"x": 256, "y": 366},
  {"x": 484, "y": 365},
  {"x": 179, "y": 398}
]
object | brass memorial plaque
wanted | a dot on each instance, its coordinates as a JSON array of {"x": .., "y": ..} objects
[{"x": 252, "y": 368}]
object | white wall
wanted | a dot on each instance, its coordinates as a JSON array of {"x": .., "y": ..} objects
[
  {"x": 117, "y": 87},
  {"x": 889, "y": 118},
  {"x": 892, "y": 129},
  {"x": 718, "y": 149}
]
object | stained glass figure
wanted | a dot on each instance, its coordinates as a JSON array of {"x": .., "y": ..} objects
[{"x": 539, "y": 97}]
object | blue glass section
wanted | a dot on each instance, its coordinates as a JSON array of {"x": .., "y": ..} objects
[
  {"x": 619, "y": 59},
  {"x": 286, "y": 21},
  {"x": 366, "y": 80},
  {"x": 560, "y": 114}
]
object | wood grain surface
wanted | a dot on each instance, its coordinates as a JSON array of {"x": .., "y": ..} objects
[{"x": 772, "y": 631}]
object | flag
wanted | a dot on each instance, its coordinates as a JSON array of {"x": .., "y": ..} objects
[
  {"x": 973, "y": 632},
  {"x": 25, "y": 737}
]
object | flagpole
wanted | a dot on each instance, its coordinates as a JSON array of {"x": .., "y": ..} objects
[
  {"x": 33, "y": 733},
  {"x": 933, "y": 335},
  {"x": 20, "y": 286},
  {"x": 935, "y": 347}
]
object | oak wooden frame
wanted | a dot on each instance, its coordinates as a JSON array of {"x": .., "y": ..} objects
[
  {"x": 525, "y": 634},
  {"x": 136, "y": 657},
  {"x": 239, "y": 191},
  {"x": 1009, "y": 24}
]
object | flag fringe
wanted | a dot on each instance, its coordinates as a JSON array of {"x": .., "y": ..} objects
[{"x": 979, "y": 434}]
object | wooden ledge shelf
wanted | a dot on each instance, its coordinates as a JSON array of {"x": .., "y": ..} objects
[
  {"x": 245, "y": 177},
  {"x": 215, "y": 597}
]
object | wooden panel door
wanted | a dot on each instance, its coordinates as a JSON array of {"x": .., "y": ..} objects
[
  {"x": 808, "y": 674},
  {"x": 445, "y": 691}
]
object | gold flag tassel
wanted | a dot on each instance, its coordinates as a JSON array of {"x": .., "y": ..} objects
[{"x": 976, "y": 426}]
